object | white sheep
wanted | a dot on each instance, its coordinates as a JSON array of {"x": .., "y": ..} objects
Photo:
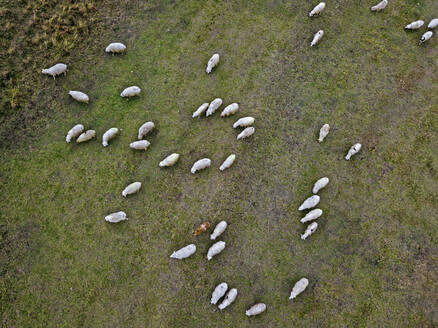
[
  {"x": 414, "y": 25},
  {"x": 108, "y": 135},
  {"x": 212, "y": 62},
  {"x": 353, "y": 151},
  {"x": 201, "y": 109},
  {"x": 218, "y": 292},
  {"x": 200, "y": 165},
  {"x": 244, "y": 122},
  {"x": 229, "y": 298},
  {"x": 433, "y": 23},
  {"x": 299, "y": 287},
  {"x": 116, "y": 217},
  {"x": 256, "y": 309},
  {"x": 321, "y": 183},
  {"x": 88, "y": 135},
  {"x": 246, "y": 133},
  {"x": 318, "y": 9},
  {"x": 145, "y": 129},
  {"x": 312, "y": 215},
  {"x": 426, "y": 36},
  {"x": 131, "y": 91},
  {"x": 140, "y": 145},
  {"x": 309, "y": 203},
  {"x": 215, "y": 249},
  {"x": 74, "y": 132},
  {"x": 169, "y": 160},
  {"x": 79, "y": 96},
  {"x": 228, "y": 162},
  {"x": 115, "y": 47},
  {"x": 184, "y": 252},
  {"x": 215, "y": 104},
  {"x": 55, "y": 70},
  {"x": 310, "y": 229},
  {"x": 317, "y": 37},
  {"x": 230, "y": 110},
  {"x": 218, "y": 230},
  {"x": 323, "y": 132},
  {"x": 131, "y": 189},
  {"x": 380, "y": 6}
]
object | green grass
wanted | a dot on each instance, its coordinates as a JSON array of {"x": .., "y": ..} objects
[{"x": 371, "y": 263}]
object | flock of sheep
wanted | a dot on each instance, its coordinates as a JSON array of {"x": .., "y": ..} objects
[
  {"x": 380, "y": 6},
  {"x": 411, "y": 26},
  {"x": 246, "y": 123}
]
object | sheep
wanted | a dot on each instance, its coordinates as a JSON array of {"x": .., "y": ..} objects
[
  {"x": 215, "y": 104},
  {"x": 116, "y": 47},
  {"x": 256, "y": 309},
  {"x": 55, "y": 70},
  {"x": 145, "y": 129},
  {"x": 131, "y": 189},
  {"x": 184, "y": 252},
  {"x": 201, "y": 109},
  {"x": 116, "y": 217},
  {"x": 244, "y": 122},
  {"x": 312, "y": 215},
  {"x": 218, "y": 292},
  {"x": 74, "y": 132},
  {"x": 130, "y": 92},
  {"x": 426, "y": 36},
  {"x": 414, "y": 25},
  {"x": 201, "y": 229},
  {"x": 321, "y": 183},
  {"x": 212, "y": 62},
  {"x": 323, "y": 132},
  {"x": 140, "y": 145},
  {"x": 299, "y": 287},
  {"x": 200, "y": 165},
  {"x": 318, "y": 9},
  {"x": 215, "y": 249},
  {"x": 353, "y": 151},
  {"x": 317, "y": 37},
  {"x": 310, "y": 229},
  {"x": 218, "y": 230},
  {"x": 88, "y": 135},
  {"x": 229, "y": 298},
  {"x": 79, "y": 96},
  {"x": 246, "y": 133},
  {"x": 108, "y": 135},
  {"x": 228, "y": 162},
  {"x": 169, "y": 160},
  {"x": 380, "y": 6},
  {"x": 309, "y": 203},
  {"x": 230, "y": 110},
  {"x": 433, "y": 23}
]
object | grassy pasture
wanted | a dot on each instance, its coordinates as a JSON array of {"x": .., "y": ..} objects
[{"x": 373, "y": 261}]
